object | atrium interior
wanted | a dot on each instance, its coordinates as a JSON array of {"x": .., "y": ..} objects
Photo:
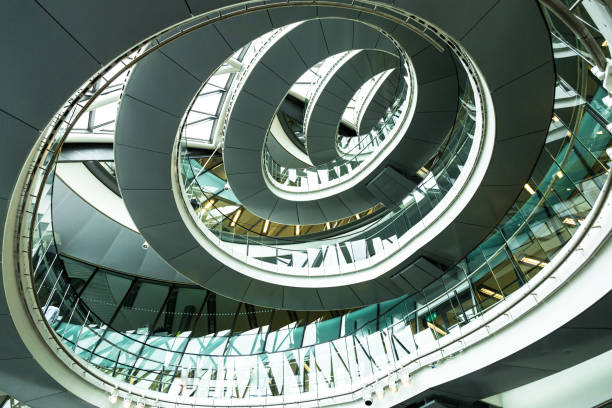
[{"x": 306, "y": 203}]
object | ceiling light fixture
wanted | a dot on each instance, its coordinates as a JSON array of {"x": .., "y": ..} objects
[
  {"x": 209, "y": 204},
  {"x": 572, "y": 221},
  {"x": 327, "y": 226},
  {"x": 112, "y": 398},
  {"x": 533, "y": 261},
  {"x": 392, "y": 383},
  {"x": 265, "y": 227},
  {"x": 559, "y": 174},
  {"x": 529, "y": 189},
  {"x": 422, "y": 172},
  {"x": 127, "y": 402},
  {"x": 491, "y": 292},
  {"x": 236, "y": 216},
  {"x": 405, "y": 377},
  {"x": 297, "y": 230},
  {"x": 555, "y": 118},
  {"x": 380, "y": 392}
]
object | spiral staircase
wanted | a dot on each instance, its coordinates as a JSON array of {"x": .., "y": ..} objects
[{"x": 301, "y": 203}]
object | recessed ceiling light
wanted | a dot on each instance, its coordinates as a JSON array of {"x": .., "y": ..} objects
[
  {"x": 533, "y": 261},
  {"x": 236, "y": 216},
  {"x": 490, "y": 292}
]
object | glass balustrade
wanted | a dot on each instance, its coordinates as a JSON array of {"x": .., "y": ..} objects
[
  {"x": 342, "y": 253},
  {"x": 353, "y": 154},
  {"x": 332, "y": 357},
  {"x": 341, "y": 353}
]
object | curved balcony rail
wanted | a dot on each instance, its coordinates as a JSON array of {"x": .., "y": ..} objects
[
  {"x": 328, "y": 67},
  {"x": 218, "y": 209},
  {"x": 569, "y": 176},
  {"x": 342, "y": 253},
  {"x": 351, "y": 159},
  {"x": 344, "y": 352},
  {"x": 363, "y": 143}
]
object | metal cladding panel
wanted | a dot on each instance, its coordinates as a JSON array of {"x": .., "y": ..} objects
[
  {"x": 332, "y": 101},
  {"x": 242, "y": 29},
  {"x": 311, "y": 31},
  {"x": 34, "y": 85},
  {"x": 16, "y": 139},
  {"x": 341, "y": 88},
  {"x": 284, "y": 60},
  {"x": 325, "y": 11},
  {"x": 261, "y": 200},
  {"x": 159, "y": 213},
  {"x": 11, "y": 349},
  {"x": 309, "y": 212},
  {"x": 366, "y": 37},
  {"x": 77, "y": 239},
  {"x": 382, "y": 23},
  {"x": 147, "y": 169},
  {"x": 432, "y": 65},
  {"x": 514, "y": 61},
  {"x": 514, "y": 155},
  {"x": 196, "y": 264},
  {"x": 456, "y": 241},
  {"x": 301, "y": 299},
  {"x": 536, "y": 114},
  {"x": 285, "y": 212},
  {"x": 267, "y": 85},
  {"x": 199, "y": 64},
  {"x": 370, "y": 292},
  {"x": 390, "y": 187},
  {"x": 132, "y": 22},
  {"x": 333, "y": 208},
  {"x": 491, "y": 201},
  {"x": 149, "y": 83},
  {"x": 246, "y": 136},
  {"x": 263, "y": 293},
  {"x": 427, "y": 266},
  {"x": 456, "y": 18},
  {"x": 241, "y": 161},
  {"x": 337, "y": 297},
  {"x": 170, "y": 240},
  {"x": 282, "y": 156},
  {"x": 286, "y": 15},
  {"x": 225, "y": 281},
  {"x": 251, "y": 109},
  {"x": 439, "y": 95},
  {"x": 357, "y": 198},
  {"x": 124, "y": 251},
  {"x": 246, "y": 185},
  {"x": 420, "y": 273},
  {"x": 402, "y": 283},
  {"x": 143, "y": 123},
  {"x": 200, "y": 6}
]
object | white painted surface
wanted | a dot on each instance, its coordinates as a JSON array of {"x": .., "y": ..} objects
[{"x": 584, "y": 385}]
